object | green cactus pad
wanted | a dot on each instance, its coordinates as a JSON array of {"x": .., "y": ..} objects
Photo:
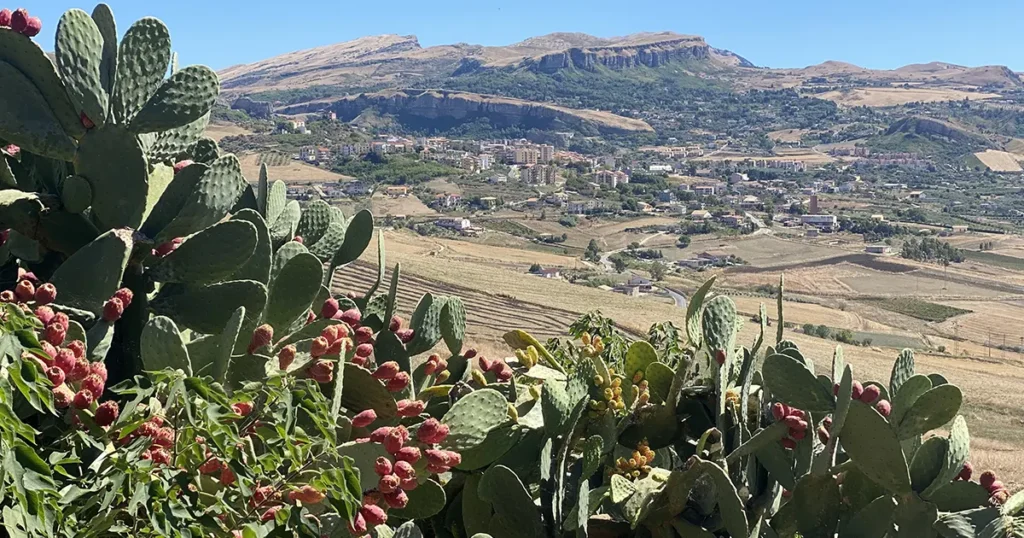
[
  {"x": 471, "y": 418},
  {"x": 932, "y": 410},
  {"x": 872, "y": 521},
  {"x": 205, "y": 150},
  {"x": 104, "y": 20},
  {"x": 476, "y": 512},
  {"x": 838, "y": 363},
  {"x": 902, "y": 370},
  {"x": 208, "y": 256},
  {"x": 364, "y": 456},
  {"x": 659, "y": 381},
  {"x": 426, "y": 324},
  {"x": 98, "y": 339},
  {"x": 427, "y": 500},
  {"x": 28, "y": 119},
  {"x": 718, "y": 324},
  {"x": 162, "y": 346},
  {"x": 142, "y": 62},
  {"x": 515, "y": 513},
  {"x": 185, "y": 97},
  {"x": 283, "y": 229},
  {"x": 817, "y": 502},
  {"x": 859, "y": 489},
  {"x": 843, "y": 401},
  {"x": 293, "y": 290},
  {"x": 910, "y": 390},
  {"x": 914, "y": 515},
  {"x": 207, "y": 309},
  {"x": 262, "y": 190},
  {"x": 357, "y": 237},
  {"x": 257, "y": 267},
  {"x": 959, "y": 495},
  {"x": 495, "y": 445},
  {"x": 958, "y": 449},
  {"x": 172, "y": 199},
  {"x": 307, "y": 332},
  {"x": 112, "y": 160},
  {"x": 277, "y": 198},
  {"x": 362, "y": 391},
  {"x": 316, "y": 217},
  {"x": 693, "y": 313},
  {"x": 874, "y": 448},
  {"x": 793, "y": 384},
  {"x": 169, "y": 144},
  {"x": 639, "y": 356},
  {"x": 75, "y": 194},
  {"x": 27, "y": 57},
  {"x": 620, "y": 489},
  {"x": 284, "y": 255},
  {"x": 79, "y": 54},
  {"x": 453, "y": 324},
  {"x": 91, "y": 276},
  {"x": 927, "y": 462},
  {"x": 330, "y": 242},
  {"x": 213, "y": 197}
]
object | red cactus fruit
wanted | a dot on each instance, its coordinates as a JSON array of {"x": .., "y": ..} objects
[
  {"x": 297, "y": 239},
  {"x": 394, "y": 441},
  {"x": 33, "y": 26},
  {"x": 382, "y": 466},
  {"x": 164, "y": 249},
  {"x": 504, "y": 373},
  {"x": 352, "y": 317},
  {"x": 405, "y": 335},
  {"x": 261, "y": 495},
  {"x": 357, "y": 527},
  {"x": 62, "y": 396},
  {"x": 307, "y": 494},
  {"x": 432, "y": 431},
  {"x": 147, "y": 429},
  {"x": 93, "y": 383},
  {"x": 883, "y": 407},
  {"x": 330, "y": 308},
  {"x": 798, "y": 433},
  {"x": 870, "y": 394},
  {"x": 999, "y": 497},
  {"x": 25, "y": 291},
  {"x": 795, "y": 422},
  {"x": 242, "y": 408},
  {"x": 99, "y": 369},
  {"x": 5, "y": 17},
  {"x": 395, "y": 324},
  {"x": 404, "y": 470},
  {"x": 827, "y": 422},
  {"x": 385, "y": 371},
  {"x": 373, "y": 514},
  {"x": 378, "y": 435},
  {"x": 44, "y": 314},
  {"x": 65, "y": 360},
  {"x": 286, "y": 356},
  {"x": 364, "y": 418},
  {"x": 437, "y": 457},
  {"x": 835, "y": 389},
  {"x": 262, "y": 336},
  {"x": 55, "y": 375},
  {"x": 46, "y": 294},
  {"x": 364, "y": 350},
  {"x": 364, "y": 335},
  {"x": 80, "y": 371},
  {"x": 164, "y": 437},
  {"x": 86, "y": 122},
  {"x": 330, "y": 333},
  {"x": 966, "y": 472},
  {"x": 19, "y": 20},
  {"x": 48, "y": 349},
  {"x": 823, "y": 435},
  {"x": 398, "y": 383},
  {"x": 181, "y": 165},
  {"x": 322, "y": 371},
  {"x": 485, "y": 364},
  {"x": 360, "y": 361},
  {"x": 720, "y": 357},
  {"x": 388, "y": 483},
  {"x": 987, "y": 478},
  {"x": 857, "y": 390},
  {"x": 788, "y": 443},
  {"x": 454, "y": 458},
  {"x": 469, "y": 353},
  {"x": 996, "y": 486},
  {"x": 160, "y": 456},
  {"x": 211, "y": 466},
  {"x": 7, "y": 296},
  {"x": 270, "y": 514},
  {"x": 112, "y": 310},
  {"x": 409, "y": 484},
  {"x": 410, "y": 408},
  {"x": 409, "y": 454},
  {"x": 310, "y": 317},
  {"x": 125, "y": 295},
  {"x": 319, "y": 347},
  {"x": 107, "y": 413},
  {"x": 61, "y": 320},
  {"x": 397, "y": 499},
  {"x": 779, "y": 411},
  {"x": 83, "y": 399}
]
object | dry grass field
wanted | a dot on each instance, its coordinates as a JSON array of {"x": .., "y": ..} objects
[
  {"x": 291, "y": 172},
  {"x": 999, "y": 161},
  {"x": 880, "y": 97},
  {"x": 787, "y": 135},
  {"x": 218, "y": 131},
  {"x": 502, "y": 296},
  {"x": 610, "y": 235}
]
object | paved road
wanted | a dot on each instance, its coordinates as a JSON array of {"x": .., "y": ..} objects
[
  {"x": 609, "y": 266},
  {"x": 762, "y": 229}
]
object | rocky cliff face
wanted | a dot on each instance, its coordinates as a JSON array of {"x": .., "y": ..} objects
[
  {"x": 653, "y": 54},
  {"x": 458, "y": 107},
  {"x": 257, "y": 109}
]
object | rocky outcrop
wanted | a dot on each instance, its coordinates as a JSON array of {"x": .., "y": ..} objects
[
  {"x": 256, "y": 109},
  {"x": 931, "y": 127},
  {"x": 653, "y": 54},
  {"x": 446, "y": 107}
]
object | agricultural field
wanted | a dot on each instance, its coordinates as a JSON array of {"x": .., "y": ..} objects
[
  {"x": 884, "y": 97},
  {"x": 288, "y": 171},
  {"x": 766, "y": 251},
  {"x": 999, "y": 161},
  {"x": 987, "y": 321},
  {"x": 217, "y": 131},
  {"x": 916, "y": 308}
]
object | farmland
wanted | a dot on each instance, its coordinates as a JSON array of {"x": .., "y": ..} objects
[{"x": 919, "y": 309}]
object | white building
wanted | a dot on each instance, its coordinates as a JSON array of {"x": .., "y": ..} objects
[
  {"x": 456, "y": 224},
  {"x": 824, "y": 222}
]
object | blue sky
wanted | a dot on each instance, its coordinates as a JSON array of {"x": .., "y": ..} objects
[{"x": 783, "y": 33}]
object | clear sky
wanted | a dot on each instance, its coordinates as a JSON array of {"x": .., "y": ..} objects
[{"x": 782, "y": 33}]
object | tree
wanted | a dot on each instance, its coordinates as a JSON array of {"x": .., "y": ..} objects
[
  {"x": 620, "y": 264},
  {"x": 658, "y": 270},
  {"x": 634, "y": 245},
  {"x": 809, "y": 328},
  {"x": 535, "y": 268},
  {"x": 683, "y": 241},
  {"x": 593, "y": 252},
  {"x": 822, "y": 331}
]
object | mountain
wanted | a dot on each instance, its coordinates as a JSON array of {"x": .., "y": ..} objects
[{"x": 400, "y": 61}]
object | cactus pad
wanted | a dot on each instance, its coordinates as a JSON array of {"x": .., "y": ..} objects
[
  {"x": 185, "y": 97},
  {"x": 169, "y": 144},
  {"x": 26, "y": 56},
  {"x": 28, "y": 120},
  {"x": 257, "y": 267},
  {"x": 91, "y": 276},
  {"x": 142, "y": 63},
  {"x": 494, "y": 446},
  {"x": 817, "y": 502},
  {"x": 958, "y": 449},
  {"x": 283, "y": 229},
  {"x": 208, "y": 256},
  {"x": 471, "y": 418},
  {"x": 512, "y": 503},
  {"x": 75, "y": 194},
  {"x": 277, "y": 198},
  {"x": 213, "y": 197},
  {"x": 357, "y": 237},
  {"x": 426, "y": 322},
  {"x": 793, "y": 384},
  {"x": 112, "y": 160},
  {"x": 316, "y": 217},
  {"x": 362, "y": 391},
  {"x": 292, "y": 292},
  {"x": 902, "y": 370},
  {"x": 330, "y": 242},
  {"x": 207, "y": 309},
  {"x": 172, "y": 199},
  {"x": 927, "y": 462},
  {"x": 874, "y": 448},
  {"x": 162, "y": 346},
  {"x": 659, "y": 381},
  {"x": 453, "y": 324},
  {"x": 79, "y": 54},
  {"x": 909, "y": 392},
  {"x": 104, "y": 20},
  {"x": 719, "y": 325},
  {"x": 693, "y": 313},
  {"x": 932, "y": 410},
  {"x": 426, "y": 501}
]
